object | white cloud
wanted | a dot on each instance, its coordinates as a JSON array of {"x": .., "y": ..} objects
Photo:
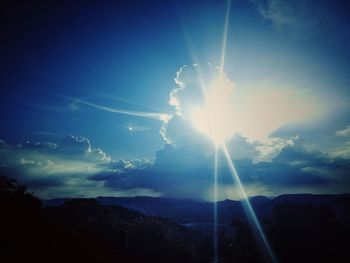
[
  {"x": 187, "y": 172},
  {"x": 65, "y": 169},
  {"x": 307, "y": 18},
  {"x": 24, "y": 161},
  {"x": 51, "y": 172},
  {"x": 255, "y": 111},
  {"x": 344, "y": 132},
  {"x": 294, "y": 14},
  {"x": 341, "y": 153},
  {"x": 322, "y": 171},
  {"x": 271, "y": 147}
]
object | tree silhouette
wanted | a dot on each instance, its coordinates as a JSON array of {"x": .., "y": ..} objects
[{"x": 307, "y": 233}]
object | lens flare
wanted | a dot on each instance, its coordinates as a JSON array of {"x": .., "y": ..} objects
[
  {"x": 215, "y": 237},
  {"x": 249, "y": 211},
  {"x": 213, "y": 117}
]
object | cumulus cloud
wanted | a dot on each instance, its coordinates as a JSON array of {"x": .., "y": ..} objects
[
  {"x": 187, "y": 160},
  {"x": 343, "y": 152},
  {"x": 75, "y": 168},
  {"x": 185, "y": 172},
  {"x": 265, "y": 162},
  {"x": 184, "y": 167},
  {"x": 343, "y": 132},
  {"x": 255, "y": 113},
  {"x": 75, "y": 145},
  {"x": 191, "y": 82},
  {"x": 64, "y": 169},
  {"x": 342, "y": 140}
]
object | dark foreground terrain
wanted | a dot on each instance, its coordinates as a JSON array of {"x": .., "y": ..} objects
[{"x": 300, "y": 228}]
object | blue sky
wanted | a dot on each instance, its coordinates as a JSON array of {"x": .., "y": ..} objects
[{"x": 64, "y": 64}]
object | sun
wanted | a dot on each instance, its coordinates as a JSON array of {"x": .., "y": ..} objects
[{"x": 215, "y": 117}]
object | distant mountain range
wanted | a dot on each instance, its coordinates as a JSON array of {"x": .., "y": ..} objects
[
  {"x": 187, "y": 211},
  {"x": 299, "y": 228}
]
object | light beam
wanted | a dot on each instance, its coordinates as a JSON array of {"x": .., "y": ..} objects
[
  {"x": 215, "y": 237},
  {"x": 224, "y": 40},
  {"x": 249, "y": 211}
]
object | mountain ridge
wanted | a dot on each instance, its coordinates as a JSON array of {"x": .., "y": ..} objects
[{"x": 186, "y": 211}]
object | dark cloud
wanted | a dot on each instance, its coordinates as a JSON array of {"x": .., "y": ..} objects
[
  {"x": 77, "y": 169},
  {"x": 62, "y": 169},
  {"x": 185, "y": 172},
  {"x": 75, "y": 145}
]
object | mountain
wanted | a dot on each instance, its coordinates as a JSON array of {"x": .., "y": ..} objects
[
  {"x": 85, "y": 230},
  {"x": 187, "y": 211}
]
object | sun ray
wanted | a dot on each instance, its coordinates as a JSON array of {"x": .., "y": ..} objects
[
  {"x": 224, "y": 40},
  {"x": 194, "y": 58},
  {"x": 215, "y": 238},
  {"x": 222, "y": 64},
  {"x": 248, "y": 209}
]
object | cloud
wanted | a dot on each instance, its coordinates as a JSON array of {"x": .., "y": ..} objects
[
  {"x": 296, "y": 14},
  {"x": 255, "y": 113},
  {"x": 44, "y": 133},
  {"x": 74, "y": 168},
  {"x": 187, "y": 172},
  {"x": 143, "y": 114},
  {"x": 267, "y": 164},
  {"x": 342, "y": 140},
  {"x": 64, "y": 169},
  {"x": 2, "y": 144},
  {"x": 198, "y": 86},
  {"x": 184, "y": 167},
  {"x": 304, "y": 15},
  {"x": 343, "y": 152},
  {"x": 75, "y": 145},
  {"x": 131, "y": 102},
  {"x": 344, "y": 132},
  {"x": 192, "y": 81}
]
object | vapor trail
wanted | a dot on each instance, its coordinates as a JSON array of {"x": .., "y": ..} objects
[
  {"x": 149, "y": 115},
  {"x": 131, "y": 102}
]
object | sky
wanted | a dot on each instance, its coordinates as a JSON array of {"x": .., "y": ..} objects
[{"x": 108, "y": 98}]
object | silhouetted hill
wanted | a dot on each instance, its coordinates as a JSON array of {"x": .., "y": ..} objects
[
  {"x": 124, "y": 231},
  {"x": 315, "y": 199},
  {"x": 180, "y": 210},
  {"x": 186, "y": 211},
  {"x": 82, "y": 230},
  {"x": 98, "y": 230}
]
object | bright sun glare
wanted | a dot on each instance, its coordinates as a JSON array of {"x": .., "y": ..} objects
[{"x": 214, "y": 117}]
